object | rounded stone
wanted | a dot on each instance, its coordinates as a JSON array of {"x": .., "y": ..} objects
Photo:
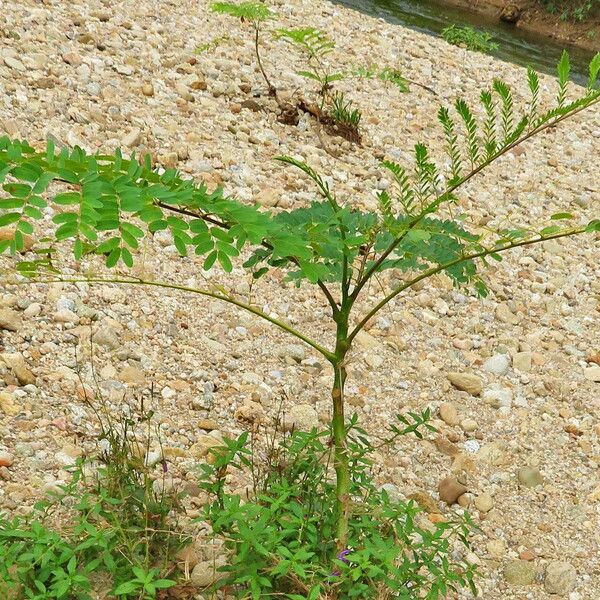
[
  {"x": 560, "y": 578},
  {"x": 520, "y": 572},
  {"x": 530, "y": 477},
  {"x": 484, "y": 503}
]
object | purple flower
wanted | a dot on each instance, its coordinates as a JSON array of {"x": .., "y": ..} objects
[{"x": 341, "y": 556}]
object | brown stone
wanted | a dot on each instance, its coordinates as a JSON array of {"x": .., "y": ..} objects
[
  {"x": 445, "y": 446},
  {"x": 450, "y": 490},
  {"x": 425, "y": 501}
]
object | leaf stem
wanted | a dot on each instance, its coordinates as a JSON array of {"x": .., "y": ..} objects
[
  {"x": 217, "y": 296},
  {"x": 435, "y": 270}
]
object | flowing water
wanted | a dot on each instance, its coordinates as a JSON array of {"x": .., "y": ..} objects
[{"x": 515, "y": 45}]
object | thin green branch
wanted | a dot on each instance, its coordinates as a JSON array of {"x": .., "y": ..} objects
[
  {"x": 172, "y": 286},
  {"x": 440, "y": 268},
  {"x": 448, "y": 192}
]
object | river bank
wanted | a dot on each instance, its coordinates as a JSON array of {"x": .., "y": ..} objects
[{"x": 532, "y": 16}]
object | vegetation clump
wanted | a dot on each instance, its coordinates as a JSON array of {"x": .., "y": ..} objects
[{"x": 470, "y": 38}]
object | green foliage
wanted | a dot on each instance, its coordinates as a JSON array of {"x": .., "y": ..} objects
[
  {"x": 282, "y": 539},
  {"x": 386, "y": 74},
  {"x": 120, "y": 528},
  {"x": 248, "y": 11},
  {"x": 480, "y": 41},
  {"x": 211, "y": 45},
  {"x": 342, "y": 112},
  {"x": 575, "y": 10},
  {"x": 315, "y": 45}
]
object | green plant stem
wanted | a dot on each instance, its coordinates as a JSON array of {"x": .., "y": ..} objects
[
  {"x": 340, "y": 450},
  {"x": 440, "y": 268},
  {"x": 272, "y": 88},
  {"x": 172, "y": 286}
]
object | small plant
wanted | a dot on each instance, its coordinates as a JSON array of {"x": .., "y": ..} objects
[
  {"x": 315, "y": 45},
  {"x": 121, "y": 525},
  {"x": 211, "y": 45},
  {"x": 105, "y": 204},
  {"x": 342, "y": 111},
  {"x": 386, "y": 74},
  {"x": 480, "y": 41},
  {"x": 256, "y": 13},
  {"x": 281, "y": 539}
]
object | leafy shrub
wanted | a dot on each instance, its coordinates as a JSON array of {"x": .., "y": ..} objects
[
  {"x": 282, "y": 539},
  {"x": 112, "y": 202},
  {"x": 470, "y": 38},
  {"x": 121, "y": 527}
]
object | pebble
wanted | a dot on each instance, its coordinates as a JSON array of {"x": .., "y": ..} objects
[
  {"x": 484, "y": 503},
  {"x": 19, "y": 367},
  {"x": 302, "y": 417},
  {"x": 522, "y": 361},
  {"x": 520, "y": 572},
  {"x": 6, "y": 459},
  {"x": 10, "y": 320},
  {"x": 466, "y": 382},
  {"x": 14, "y": 63},
  {"x": 560, "y": 578},
  {"x": 449, "y": 490},
  {"x": 449, "y": 414},
  {"x": 133, "y": 138},
  {"x": 592, "y": 373},
  {"x": 469, "y": 425},
  {"x": 206, "y": 572},
  {"x": 530, "y": 477},
  {"x": 499, "y": 364}
]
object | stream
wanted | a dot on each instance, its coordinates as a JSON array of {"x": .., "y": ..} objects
[{"x": 516, "y": 46}]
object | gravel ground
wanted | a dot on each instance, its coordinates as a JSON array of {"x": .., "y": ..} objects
[{"x": 526, "y": 443}]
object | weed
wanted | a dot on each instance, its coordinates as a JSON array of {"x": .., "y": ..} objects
[
  {"x": 122, "y": 524},
  {"x": 470, "y": 38}
]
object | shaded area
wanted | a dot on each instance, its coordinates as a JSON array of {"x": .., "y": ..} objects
[{"x": 515, "y": 45}]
